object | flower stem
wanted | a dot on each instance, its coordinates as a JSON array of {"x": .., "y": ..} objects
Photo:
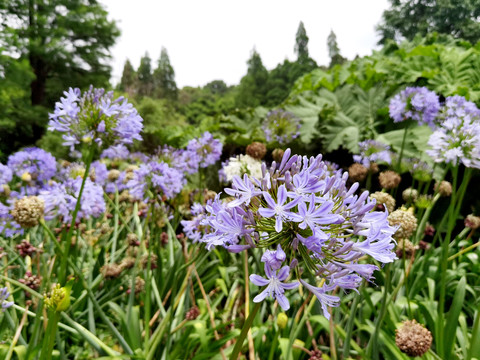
[
  {"x": 243, "y": 334},
  {"x": 399, "y": 164}
]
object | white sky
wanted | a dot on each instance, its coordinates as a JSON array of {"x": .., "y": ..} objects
[{"x": 212, "y": 39}]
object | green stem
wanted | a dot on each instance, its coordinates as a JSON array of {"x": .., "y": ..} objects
[
  {"x": 243, "y": 334},
  {"x": 68, "y": 239},
  {"x": 399, "y": 164},
  {"x": 49, "y": 340},
  {"x": 350, "y": 323},
  {"x": 463, "y": 251},
  {"x": 372, "y": 347}
]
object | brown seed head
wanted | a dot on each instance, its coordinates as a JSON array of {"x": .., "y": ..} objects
[
  {"x": 413, "y": 338},
  {"x": 28, "y": 211},
  {"x": 315, "y": 355},
  {"x": 410, "y": 195},
  {"x": 111, "y": 271},
  {"x": 383, "y": 198},
  {"x": 444, "y": 188},
  {"x": 472, "y": 221},
  {"x": 257, "y": 150},
  {"x": 406, "y": 247},
  {"x": 113, "y": 175},
  {"x": 407, "y": 222},
  {"x": 389, "y": 179},
  {"x": 357, "y": 172},
  {"x": 193, "y": 313}
]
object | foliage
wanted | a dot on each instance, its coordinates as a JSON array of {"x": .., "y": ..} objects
[
  {"x": 406, "y": 19},
  {"x": 145, "y": 76}
]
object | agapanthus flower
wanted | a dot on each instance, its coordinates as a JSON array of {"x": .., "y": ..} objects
[
  {"x": 240, "y": 165},
  {"x": 206, "y": 148},
  {"x": 281, "y": 127},
  {"x": 95, "y": 116},
  {"x": 416, "y": 103},
  {"x": 312, "y": 220},
  {"x": 372, "y": 151},
  {"x": 8, "y": 226},
  {"x": 157, "y": 177},
  {"x": 185, "y": 161},
  {"x": 61, "y": 198},
  {"x": 4, "y": 295},
  {"x": 457, "y": 138},
  {"x": 33, "y": 164},
  {"x": 116, "y": 152},
  {"x": 6, "y": 176}
]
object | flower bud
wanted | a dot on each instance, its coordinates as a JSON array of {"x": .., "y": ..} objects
[
  {"x": 282, "y": 320},
  {"x": 26, "y": 177},
  {"x": 410, "y": 195}
]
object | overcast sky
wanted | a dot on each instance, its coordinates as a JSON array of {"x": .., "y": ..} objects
[{"x": 212, "y": 39}]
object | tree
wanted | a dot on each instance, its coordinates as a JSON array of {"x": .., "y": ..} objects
[
  {"x": 405, "y": 19},
  {"x": 333, "y": 50},
  {"x": 129, "y": 79},
  {"x": 252, "y": 88},
  {"x": 145, "y": 76},
  {"x": 66, "y": 43},
  {"x": 164, "y": 78},
  {"x": 301, "y": 43}
]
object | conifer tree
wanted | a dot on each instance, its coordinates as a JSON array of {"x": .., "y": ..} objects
[
  {"x": 333, "y": 50},
  {"x": 301, "y": 43},
  {"x": 129, "y": 79},
  {"x": 145, "y": 76},
  {"x": 164, "y": 78},
  {"x": 253, "y": 86}
]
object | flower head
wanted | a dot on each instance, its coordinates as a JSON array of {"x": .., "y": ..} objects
[
  {"x": 206, "y": 148},
  {"x": 281, "y": 127},
  {"x": 95, "y": 116},
  {"x": 416, "y": 103},
  {"x": 372, "y": 151},
  {"x": 38, "y": 164},
  {"x": 4, "y": 295}
]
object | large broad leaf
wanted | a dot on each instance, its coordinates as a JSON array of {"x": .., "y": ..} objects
[{"x": 415, "y": 141}]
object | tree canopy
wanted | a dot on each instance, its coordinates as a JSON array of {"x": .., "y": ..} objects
[{"x": 405, "y": 19}]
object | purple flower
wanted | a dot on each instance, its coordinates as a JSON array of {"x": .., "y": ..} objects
[
  {"x": 457, "y": 138},
  {"x": 372, "y": 151},
  {"x": 95, "y": 116},
  {"x": 278, "y": 209},
  {"x": 116, "y": 152},
  {"x": 6, "y": 176},
  {"x": 325, "y": 299},
  {"x": 4, "y": 295},
  {"x": 243, "y": 190},
  {"x": 274, "y": 258},
  {"x": 281, "y": 127},
  {"x": 275, "y": 286},
  {"x": 313, "y": 216},
  {"x": 37, "y": 163},
  {"x": 416, "y": 103},
  {"x": 206, "y": 148}
]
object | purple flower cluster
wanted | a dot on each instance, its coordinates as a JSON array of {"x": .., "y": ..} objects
[
  {"x": 155, "y": 178},
  {"x": 61, "y": 198},
  {"x": 33, "y": 164},
  {"x": 206, "y": 150},
  {"x": 116, "y": 152},
  {"x": 6, "y": 176},
  {"x": 281, "y": 127},
  {"x": 457, "y": 137},
  {"x": 416, "y": 103},
  {"x": 95, "y": 116},
  {"x": 299, "y": 208},
  {"x": 372, "y": 151}
]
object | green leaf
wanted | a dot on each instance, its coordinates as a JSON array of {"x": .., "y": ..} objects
[{"x": 452, "y": 318}]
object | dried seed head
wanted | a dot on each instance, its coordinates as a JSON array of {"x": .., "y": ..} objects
[
  {"x": 389, "y": 179},
  {"x": 257, "y": 150},
  {"x": 28, "y": 211},
  {"x": 357, "y": 172},
  {"x": 111, "y": 271},
  {"x": 127, "y": 263},
  {"x": 277, "y": 155},
  {"x": 113, "y": 175},
  {"x": 132, "y": 239},
  {"x": 153, "y": 261},
  {"x": 315, "y": 355},
  {"x": 410, "y": 195},
  {"x": 32, "y": 281},
  {"x": 193, "y": 313},
  {"x": 444, "y": 188},
  {"x": 406, "y": 247},
  {"x": 209, "y": 194},
  {"x": 383, "y": 198},
  {"x": 413, "y": 339},
  {"x": 374, "y": 168},
  {"x": 407, "y": 223},
  {"x": 429, "y": 230},
  {"x": 26, "y": 249},
  {"x": 472, "y": 221}
]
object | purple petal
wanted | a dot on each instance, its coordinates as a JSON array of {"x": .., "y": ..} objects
[
  {"x": 258, "y": 280},
  {"x": 283, "y": 301}
]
